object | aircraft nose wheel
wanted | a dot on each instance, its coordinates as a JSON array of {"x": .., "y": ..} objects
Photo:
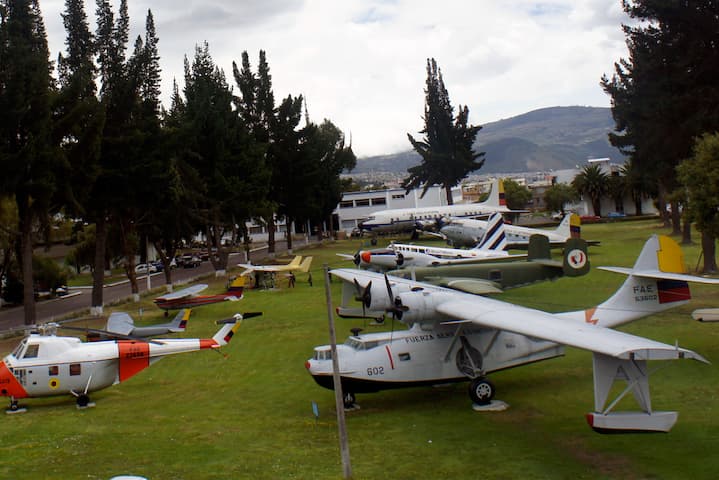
[
  {"x": 349, "y": 401},
  {"x": 481, "y": 391},
  {"x": 83, "y": 401}
]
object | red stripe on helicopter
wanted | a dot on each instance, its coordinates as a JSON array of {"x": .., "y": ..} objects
[
  {"x": 9, "y": 386},
  {"x": 134, "y": 357},
  {"x": 389, "y": 354}
]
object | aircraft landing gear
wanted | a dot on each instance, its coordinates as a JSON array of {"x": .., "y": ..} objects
[
  {"x": 349, "y": 401},
  {"x": 83, "y": 401},
  {"x": 14, "y": 407},
  {"x": 481, "y": 391}
]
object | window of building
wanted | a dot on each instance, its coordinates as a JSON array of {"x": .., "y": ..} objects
[
  {"x": 379, "y": 201},
  {"x": 397, "y": 196},
  {"x": 362, "y": 202},
  {"x": 346, "y": 204}
]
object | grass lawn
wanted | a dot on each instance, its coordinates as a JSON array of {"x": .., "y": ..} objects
[{"x": 247, "y": 413}]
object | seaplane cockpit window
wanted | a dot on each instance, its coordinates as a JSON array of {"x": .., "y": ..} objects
[
  {"x": 357, "y": 344},
  {"x": 323, "y": 355},
  {"x": 31, "y": 351}
]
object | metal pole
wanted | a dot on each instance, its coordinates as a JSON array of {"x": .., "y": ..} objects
[{"x": 339, "y": 402}]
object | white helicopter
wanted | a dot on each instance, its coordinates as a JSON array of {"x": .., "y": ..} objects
[
  {"x": 44, "y": 364},
  {"x": 455, "y": 336}
]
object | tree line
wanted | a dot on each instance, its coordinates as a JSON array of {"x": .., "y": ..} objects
[{"x": 91, "y": 140}]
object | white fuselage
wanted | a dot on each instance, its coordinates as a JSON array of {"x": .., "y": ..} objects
[
  {"x": 468, "y": 232},
  {"x": 407, "y": 219},
  {"x": 424, "y": 356}
]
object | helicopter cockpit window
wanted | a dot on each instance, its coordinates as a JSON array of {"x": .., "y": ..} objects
[
  {"x": 18, "y": 350},
  {"x": 323, "y": 354},
  {"x": 31, "y": 351}
]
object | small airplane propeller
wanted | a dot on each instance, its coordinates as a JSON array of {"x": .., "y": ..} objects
[
  {"x": 397, "y": 309},
  {"x": 400, "y": 259}
]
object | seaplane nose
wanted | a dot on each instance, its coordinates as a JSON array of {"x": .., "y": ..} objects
[{"x": 307, "y": 364}]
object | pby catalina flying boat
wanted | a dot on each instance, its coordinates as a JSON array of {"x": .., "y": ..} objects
[
  {"x": 296, "y": 265},
  {"x": 189, "y": 298},
  {"x": 456, "y": 337},
  {"x": 44, "y": 364},
  {"x": 466, "y": 232},
  {"x": 398, "y": 255},
  {"x": 410, "y": 219}
]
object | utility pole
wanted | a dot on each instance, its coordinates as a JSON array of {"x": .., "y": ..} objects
[{"x": 339, "y": 396}]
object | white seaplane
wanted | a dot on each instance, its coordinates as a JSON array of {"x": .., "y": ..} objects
[{"x": 455, "y": 336}]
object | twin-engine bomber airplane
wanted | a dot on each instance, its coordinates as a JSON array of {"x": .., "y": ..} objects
[
  {"x": 454, "y": 336},
  {"x": 44, "y": 364}
]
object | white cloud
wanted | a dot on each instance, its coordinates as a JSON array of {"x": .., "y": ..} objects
[{"x": 362, "y": 63}]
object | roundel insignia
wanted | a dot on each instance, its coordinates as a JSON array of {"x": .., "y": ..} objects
[
  {"x": 54, "y": 383},
  {"x": 577, "y": 258}
]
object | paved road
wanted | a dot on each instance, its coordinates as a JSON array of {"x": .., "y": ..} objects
[{"x": 57, "y": 308}]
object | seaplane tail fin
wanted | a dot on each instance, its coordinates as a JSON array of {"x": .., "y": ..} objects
[
  {"x": 494, "y": 237},
  {"x": 655, "y": 283}
]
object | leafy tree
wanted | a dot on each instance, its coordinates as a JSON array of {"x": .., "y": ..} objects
[
  {"x": 665, "y": 94},
  {"x": 558, "y": 195},
  {"x": 593, "y": 183},
  {"x": 516, "y": 195},
  {"x": 700, "y": 177},
  {"x": 223, "y": 152},
  {"x": 446, "y": 149},
  {"x": 28, "y": 159}
]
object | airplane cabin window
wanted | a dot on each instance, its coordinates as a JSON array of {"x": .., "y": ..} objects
[
  {"x": 404, "y": 357},
  {"x": 31, "y": 351},
  {"x": 52, "y": 370},
  {"x": 75, "y": 369}
]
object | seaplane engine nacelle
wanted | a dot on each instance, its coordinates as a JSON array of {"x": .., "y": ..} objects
[
  {"x": 419, "y": 306},
  {"x": 379, "y": 298}
]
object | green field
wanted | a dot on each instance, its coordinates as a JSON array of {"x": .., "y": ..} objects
[{"x": 247, "y": 413}]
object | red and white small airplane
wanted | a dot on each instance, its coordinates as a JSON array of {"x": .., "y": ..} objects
[
  {"x": 44, "y": 364},
  {"x": 189, "y": 298},
  {"x": 455, "y": 336}
]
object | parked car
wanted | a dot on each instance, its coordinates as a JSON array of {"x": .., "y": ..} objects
[
  {"x": 144, "y": 268},
  {"x": 159, "y": 266},
  {"x": 190, "y": 261},
  {"x": 616, "y": 214}
]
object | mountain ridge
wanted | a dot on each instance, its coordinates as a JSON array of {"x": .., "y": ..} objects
[{"x": 551, "y": 138}]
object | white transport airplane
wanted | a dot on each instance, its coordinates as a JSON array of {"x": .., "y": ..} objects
[
  {"x": 408, "y": 219},
  {"x": 466, "y": 232},
  {"x": 402, "y": 255},
  {"x": 455, "y": 336}
]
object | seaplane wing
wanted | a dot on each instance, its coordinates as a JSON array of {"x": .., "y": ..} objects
[{"x": 184, "y": 293}]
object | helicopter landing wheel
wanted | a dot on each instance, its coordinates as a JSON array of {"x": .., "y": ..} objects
[{"x": 83, "y": 401}]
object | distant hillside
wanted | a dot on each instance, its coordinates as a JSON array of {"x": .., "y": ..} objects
[{"x": 549, "y": 138}]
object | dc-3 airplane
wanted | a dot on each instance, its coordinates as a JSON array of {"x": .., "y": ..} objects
[
  {"x": 466, "y": 232},
  {"x": 457, "y": 337},
  {"x": 399, "y": 220},
  {"x": 398, "y": 255},
  {"x": 44, "y": 364},
  {"x": 189, "y": 298}
]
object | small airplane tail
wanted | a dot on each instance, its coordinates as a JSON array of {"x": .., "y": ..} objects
[
  {"x": 179, "y": 323},
  {"x": 228, "y": 330},
  {"x": 494, "y": 237},
  {"x": 305, "y": 265},
  {"x": 296, "y": 261},
  {"x": 237, "y": 286},
  {"x": 496, "y": 195},
  {"x": 570, "y": 227},
  {"x": 657, "y": 282}
]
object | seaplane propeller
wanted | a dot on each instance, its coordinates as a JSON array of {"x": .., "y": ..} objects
[
  {"x": 397, "y": 309},
  {"x": 364, "y": 295}
]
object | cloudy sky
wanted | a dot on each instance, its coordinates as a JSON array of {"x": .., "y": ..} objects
[{"x": 361, "y": 63}]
